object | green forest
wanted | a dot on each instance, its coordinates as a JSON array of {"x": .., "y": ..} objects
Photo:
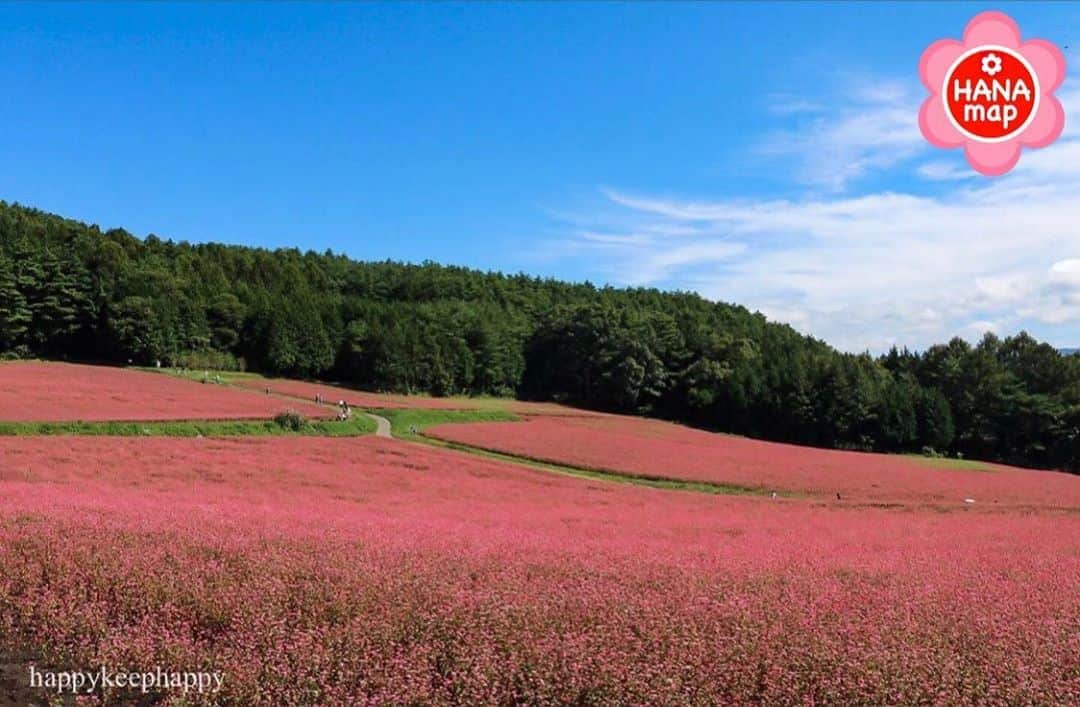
[{"x": 73, "y": 291}]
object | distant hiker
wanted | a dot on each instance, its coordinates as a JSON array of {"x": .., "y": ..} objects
[
  {"x": 837, "y": 495},
  {"x": 268, "y": 391},
  {"x": 774, "y": 494},
  {"x": 157, "y": 363}
]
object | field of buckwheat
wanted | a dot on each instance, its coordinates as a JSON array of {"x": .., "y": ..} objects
[
  {"x": 357, "y": 398},
  {"x": 371, "y": 571},
  {"x": 307, "y": 390},
  {"x": 63, "y": 392},
  {"x": 651, "y": 448}
]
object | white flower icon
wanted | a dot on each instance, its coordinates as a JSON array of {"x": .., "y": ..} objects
[{"x": 991, "y": 64}]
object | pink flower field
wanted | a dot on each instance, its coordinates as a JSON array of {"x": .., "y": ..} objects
[
  {"x": 650, "y": 448},
  {"x": 64, "y": 392},
  {"x": 332, "y": 393},
  {"x": 369, "y": 571},
  {"x": 307, "y": 390}
]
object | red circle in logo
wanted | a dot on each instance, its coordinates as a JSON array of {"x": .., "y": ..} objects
[{"x": 991, "y": 93}]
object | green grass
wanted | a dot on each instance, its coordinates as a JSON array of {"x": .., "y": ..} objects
[
  {"x": 949, "y": 463},
  {"x": 598, "y": 475},
  {"x": 478, "y": 403},
  {"x": 358, "y": 425},
  {"x": 402, "y": 419},
  {"x": 227, "y": 377}
]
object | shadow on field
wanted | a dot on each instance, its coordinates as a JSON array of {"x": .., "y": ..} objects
[{"x": 15, "y": 687}]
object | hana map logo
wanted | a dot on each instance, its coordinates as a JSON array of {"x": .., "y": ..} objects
[{"x": 991, "y": 93}]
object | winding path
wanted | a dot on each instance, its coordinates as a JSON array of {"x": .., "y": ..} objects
[
  {"x": 382, "y": 428},
  {"x": 382, "y": 425}
]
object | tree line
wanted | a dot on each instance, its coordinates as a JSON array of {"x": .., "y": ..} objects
[{"x": 71, "y": 290}]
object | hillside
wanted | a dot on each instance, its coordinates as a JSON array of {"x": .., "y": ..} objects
[{"x": 71, "y": 290}]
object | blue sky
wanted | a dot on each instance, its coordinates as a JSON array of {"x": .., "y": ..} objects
[{"x": 762, "y": 154}]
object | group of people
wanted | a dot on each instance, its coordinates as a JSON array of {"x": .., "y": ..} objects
[{"x": 344, "y": 411}]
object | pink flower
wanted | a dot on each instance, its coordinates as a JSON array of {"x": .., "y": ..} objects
[{"x": 998, "y": 33}]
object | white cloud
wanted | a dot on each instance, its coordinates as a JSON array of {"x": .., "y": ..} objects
[
  {"x": 876, "y": 127},
  {"x": 983, "y": 327},
  {"x": 787, "y": 104},
  {"x": 870, "y": 270},
  {"x": 942, "y": 171},
  {"x": 1066, "y": 272}
]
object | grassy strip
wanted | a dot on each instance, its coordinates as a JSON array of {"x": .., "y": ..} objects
[
  {"x": 656, "y": 482},
  {"x": 950, "y": 463},
  {"x": 358, "y": 425},
  {"x": 204, "y": 376},
  {"x": 404, "y": 419}
]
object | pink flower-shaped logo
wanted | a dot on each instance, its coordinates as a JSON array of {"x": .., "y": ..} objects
[{"x": 991, "y": 93}]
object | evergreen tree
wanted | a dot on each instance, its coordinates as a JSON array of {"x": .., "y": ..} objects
[{"x": 15, "y": 317}]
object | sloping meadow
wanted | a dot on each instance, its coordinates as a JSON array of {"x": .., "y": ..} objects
[
  {"x": 32, "y": 391},
  {"x": 653, "y": 449},
  {"x": 369, "y": 571}
]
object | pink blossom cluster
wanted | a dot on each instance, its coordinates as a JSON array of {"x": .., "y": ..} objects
[
  {"x": 651, "y": 448},
  {"x": 369, "y": 571},
  {"x": 64, "y": 392}
]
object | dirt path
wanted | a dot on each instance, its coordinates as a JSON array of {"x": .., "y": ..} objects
[{"x": 382, "y": 425}]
